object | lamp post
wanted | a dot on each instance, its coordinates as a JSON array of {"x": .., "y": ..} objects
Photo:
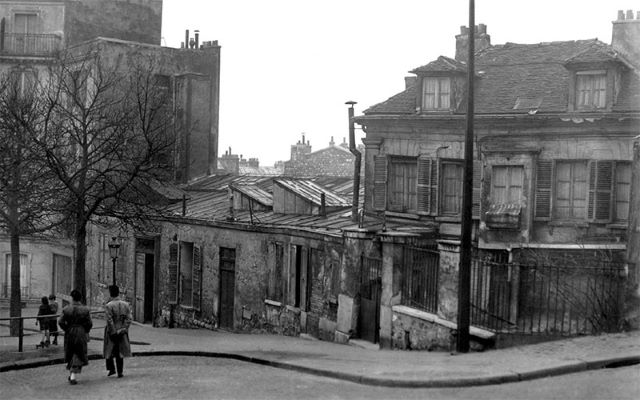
[{"x": 114, "y": 247}]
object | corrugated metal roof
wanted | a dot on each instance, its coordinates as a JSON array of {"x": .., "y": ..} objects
[
  {"x": 254, "y": 193},
  {"x": 312, "y": 191}
]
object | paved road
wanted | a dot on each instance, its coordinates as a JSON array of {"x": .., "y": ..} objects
[{"x": 211, "y": 378}]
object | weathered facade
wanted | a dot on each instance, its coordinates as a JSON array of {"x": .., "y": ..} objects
[
  {"x": 554, "y": 125},
  {"x": 122, "y": 34}
]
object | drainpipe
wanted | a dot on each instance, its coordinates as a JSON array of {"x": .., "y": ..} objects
[
  {"x": 323, "y": 205},
  {"x": 356, "y": 163},
  {"x": 2, "y": 31}
]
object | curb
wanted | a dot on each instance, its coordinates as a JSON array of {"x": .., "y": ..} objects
[{"x": 578, "y": 366}]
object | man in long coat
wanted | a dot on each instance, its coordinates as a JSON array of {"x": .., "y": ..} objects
[
  {"x": 76, "y": 323},
  {"x": 116, "y": 332}
]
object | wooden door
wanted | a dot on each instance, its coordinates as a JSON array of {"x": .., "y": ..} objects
[
  {"x": 370, "y": 292},
  {"x": 227, "y": 287},
  {"x": 139, "y": 287}
]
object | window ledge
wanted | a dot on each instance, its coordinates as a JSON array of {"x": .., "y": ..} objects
[
  {"x": 573, "y": 224},
  {"x": 617, "y": 225},
  {"x": 273, "y": 303},
  {"x": 406, "y": 215},
  {"x": 295, "y": 310},
  {"x": 430, "y": 317}
]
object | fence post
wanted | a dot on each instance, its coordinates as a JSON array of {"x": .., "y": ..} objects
[
  {"x": 515, "y": 287},
  {"x": 20, "y": 334}
]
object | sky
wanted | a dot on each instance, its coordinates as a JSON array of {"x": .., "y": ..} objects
[{"x": 289, "y": 66}]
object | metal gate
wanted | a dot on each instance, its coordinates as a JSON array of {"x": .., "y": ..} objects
[{"x": 370, "y": 292}]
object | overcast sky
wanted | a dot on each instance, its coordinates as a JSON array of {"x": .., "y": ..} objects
[{"x": 288, "y": 66}]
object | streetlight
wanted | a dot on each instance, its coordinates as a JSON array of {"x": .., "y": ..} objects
[{"x": 114, "y": 247}]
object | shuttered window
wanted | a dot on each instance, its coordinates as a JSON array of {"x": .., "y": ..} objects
[
  {"x": 186, "y": 274},
  {"x": 544, "y": 180},
  {"x": 197, "y": 277},
  {"x": 451, "y": 188},
  {"x": 172, "y": 284},
  {"x": 275, "y": 280},
  {"x": 380, "y": 183},
  {"x": 427, "y": 185},
  {"x": 622, "y": 191},
  {"x": 477, "y": 189},
  {"x": 600, "y": 190},
  {"x": 402, "y": 184}
]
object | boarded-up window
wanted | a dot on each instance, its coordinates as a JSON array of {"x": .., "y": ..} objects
[
  {"x": 402, "y": 184},
  {"x": 172, "y": 284},
  {"x": 451, "y": 188},
  {"x": 622, "y": 191},
  {"x": 61, "y": 274},
  {"x": 436, "y": 93},
  {"x": 570, "y": 199},
  {"x": 507, "y": 184},
  {"x": 197, "y": 277},
  {"x": 275, "y": 280},
  {"x": 591, "y": 89}
]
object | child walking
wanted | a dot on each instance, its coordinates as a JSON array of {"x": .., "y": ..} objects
[
  {"x": 44, "y": 309},
  {"x": 53, "y": 321}
]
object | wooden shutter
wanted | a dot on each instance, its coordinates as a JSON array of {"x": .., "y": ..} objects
[
  {"x": 427, "y": 185},
  {"x": 380, "y": 183},
  {"x": 600, "y": 190},
  {"x": 196, "y": 278},
  {"x": 477, "y": 188},
  {"x": 544, "y": 183},
  {"x": 172, "y": 285}
]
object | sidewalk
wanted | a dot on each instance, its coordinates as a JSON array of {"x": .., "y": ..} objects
[{"x": 366, "y": 366}]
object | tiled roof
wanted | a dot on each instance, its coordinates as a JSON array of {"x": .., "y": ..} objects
[
  {"x": 442, "y": 64},
  {"x": 311, "y": 191},
  {"x": 512, "y": 71}
]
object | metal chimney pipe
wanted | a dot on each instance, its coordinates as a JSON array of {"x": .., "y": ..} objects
[
  {"x": 186, "y": 39},
  {"x": 356, "y": 163},
  {"x": 197, "y": 36}
]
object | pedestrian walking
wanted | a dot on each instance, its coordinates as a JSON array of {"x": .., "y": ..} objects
[
  {"x": 76, "y": 323},
  {"x": 43, "y": 321},
  {"x": 116, "y": 332},
  {"x": 53, "y": 321}
]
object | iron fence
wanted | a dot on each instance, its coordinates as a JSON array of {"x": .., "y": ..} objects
[
  {"x": 420, "y": 278},
  {"x": 544, "y": 299},
  {"x": 30, "y": 44}
]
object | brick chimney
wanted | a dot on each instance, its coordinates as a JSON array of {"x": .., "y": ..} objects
[
  {"x": 410, "y": 81},
  {"x": 300, "y": 149},
  {"x": 626, "y": 35},
  {"x": 482, "y": 41},
  {"x": 230, "y": 162}
]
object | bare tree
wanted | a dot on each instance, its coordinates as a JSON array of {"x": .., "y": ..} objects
[
  {"x": 106, "y": 134},
  {"x": 27, "y": 195}
]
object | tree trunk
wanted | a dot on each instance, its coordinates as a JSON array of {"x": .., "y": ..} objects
[
  {"x": 80, "y": 282},
  {"x": 16, "y": 300}
]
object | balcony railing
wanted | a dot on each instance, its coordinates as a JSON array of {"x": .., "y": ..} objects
[{"x": 29, "y": 44}]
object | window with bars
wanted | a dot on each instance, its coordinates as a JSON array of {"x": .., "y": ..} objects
[
  {"x": 591, "y": 90},
  {"x": 583, "y": 190},
  {"x": 436, "y": 93}
]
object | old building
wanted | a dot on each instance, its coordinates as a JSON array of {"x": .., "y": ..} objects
[
  {"x": 334, "y": 160},
  {"x": 117, "y": 32},
  {"x": 554, "y": 125}
]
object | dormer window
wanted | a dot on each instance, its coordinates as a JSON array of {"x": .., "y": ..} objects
[
  {"x": 591, "y": 90},
  {"x": 436, "y": 93}
]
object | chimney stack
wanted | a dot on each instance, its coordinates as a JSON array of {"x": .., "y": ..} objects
[
  {"x": 482, "y": 41},
  {"x": 410, "y": 81},
  {"x": 626, "y": 35}
]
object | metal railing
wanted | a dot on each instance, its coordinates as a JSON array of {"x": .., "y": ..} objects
[
  {"x": 21, "y": 325},
  {"x": 544, "y": 299},
  {"x": 29, "y": 44},
  {"x": 420, "y": 278}
]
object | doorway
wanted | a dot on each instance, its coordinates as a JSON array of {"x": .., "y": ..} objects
[
  {"x": 227, "y": 287},
  {"x": 370, "y": 292},
  {"x": 144, "y": 280}
]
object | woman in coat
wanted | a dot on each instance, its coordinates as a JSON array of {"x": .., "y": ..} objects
[
  {"x": 76, "y": 323},
  {"x": 53, "y": 321},
  {"x": 116, "y": 333}
]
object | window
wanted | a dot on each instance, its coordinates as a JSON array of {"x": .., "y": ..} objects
[
  {"x": 402, "y": 184},
  {"x": 507, "y": 184},
  {"x": 24, "y": 276},
  {"x": 591, "y": 90},
  {"x": 571, "y": 190},
  {"x": 436, "y": 93},
  {"x": 596, "y": 190},
  {"x": 622, "y": 191},
  {"x": 185, "y": 274},
  {"x": 451, "y": 188},
  {"x": 274, "y": 291},
  {"x": 61, "y": 274},
  {"x": 299, "y": 293}
]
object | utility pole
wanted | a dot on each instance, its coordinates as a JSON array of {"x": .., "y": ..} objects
[{"x": 464, "y": 271}]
